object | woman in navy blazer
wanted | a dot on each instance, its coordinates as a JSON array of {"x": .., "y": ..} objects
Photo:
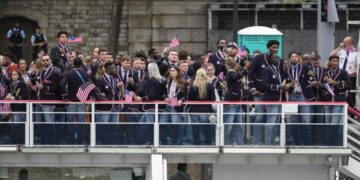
[
  {"x": 201, "y": 90},
  {"x": 174, "y": 97},
  {"x": 18, "y": 91}
]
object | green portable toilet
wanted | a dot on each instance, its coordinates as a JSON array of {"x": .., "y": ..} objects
[{"x": 256, "y": 37}]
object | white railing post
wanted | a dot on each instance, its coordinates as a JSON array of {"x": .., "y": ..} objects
[
  {"x": 27, "y": 124},
  {"x": 282, "y": 127},
  {"x": 221, "y": 124},
  {"x": 218, "y": 125},
  {"x": 30, "y": 123},
  {"x": 345, "y": 120},
  {"x": 156, "y": 126},
  {"x": 92, "y": 127}
]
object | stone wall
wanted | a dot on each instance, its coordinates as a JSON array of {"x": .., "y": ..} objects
[{"x": 90, "y": 19}]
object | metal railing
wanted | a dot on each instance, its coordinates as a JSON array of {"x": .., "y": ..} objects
[{"x": 226, "y": 124}]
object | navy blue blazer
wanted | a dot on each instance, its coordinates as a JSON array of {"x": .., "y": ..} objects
[
  {"x": 255, "y": 72},
  {"x": 193, "y": 95},
  {"x": 111, "y": 91},
  {"x": 318, "y": 91},
  {"x": 19, "y": 91},
  {"x": 72, "y": 81},
  {"x": 180, "y": 95},
  {"x": 218, "y": 62},
  {"x": 152, "y": 90},
  {"x": 303, "y": 79},
  {"x": 50, "y": 79},
  {"x": 272, "y": 79},
  {"x": 119, "y": 76},
  {"x": 233, "y": 81},
  {"x": 340, "y": 76}
]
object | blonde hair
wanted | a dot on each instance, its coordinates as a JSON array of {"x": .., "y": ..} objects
[
  {"x": 201, "y": 80},
  {"x": 100, "y": 71},
  {"x": 153, "y": 71},
  {"x": 230, "y": 63},
  {"x": 1, "y": 60}
]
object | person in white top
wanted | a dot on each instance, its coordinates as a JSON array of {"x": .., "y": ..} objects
[{"x": 349, "y": 61}]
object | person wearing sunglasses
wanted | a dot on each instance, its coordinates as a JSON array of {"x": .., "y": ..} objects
[{"x": 47, "y": 85}]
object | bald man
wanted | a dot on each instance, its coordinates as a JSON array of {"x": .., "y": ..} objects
[{"x": 349, "y": 61}]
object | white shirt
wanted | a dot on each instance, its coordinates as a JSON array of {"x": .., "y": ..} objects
[
  {"x": 352, "y": 61},
  {"x": 172, "y": 91}
]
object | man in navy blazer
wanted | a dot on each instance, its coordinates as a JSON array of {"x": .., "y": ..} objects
[
  {"x": 297, "y": 75},
  {"x": 256, "y": 87},
  {"x": 273, "y": 91},
  {"x": 339, "y": 82}
]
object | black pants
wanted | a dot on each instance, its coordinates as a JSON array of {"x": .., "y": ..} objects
[{"x": 351, "y": 96}]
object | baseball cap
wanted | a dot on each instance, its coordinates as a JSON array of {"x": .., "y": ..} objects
[{"x": 232, "y": 44}]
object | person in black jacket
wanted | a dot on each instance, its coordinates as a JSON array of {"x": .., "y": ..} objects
[
  {"x": 256, "y": 83},
  {"x": 47, "y": 88},
  {"x": 339, "y": 83},
  {"x": 151, "y": 89},
  {"x": 233, "y": 133},
  {"x": 69, "y": 87},
  {"x": 174, "y": 97},
  {"x": 108, "y": 133},
  {"x": 202, "y": 90},
  {"x": 18, "y": 91},
  {"x": 273, "y": 91}
]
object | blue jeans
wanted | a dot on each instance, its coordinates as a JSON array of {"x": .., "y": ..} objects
[
  {"x": 233, "y": 133},
  {"x": 107, "y": 133},
  {"x": 259, "y": 118},
  {"x": 335, "y": 124},
  {"x": 318, "y": 131},
  {"x": 171, "y": 133},
  {"x": 299, "y": 133},
  {"x": 47, "y": 130},
  {"x": 199, "y": 130},
  {"x": 77, "y": 131},
  {"x": 271, "y": 130},
  {"x": 131, "y": 128},
  {"x": 18, "y": 129},
  {"x": 146, "y": 131}
]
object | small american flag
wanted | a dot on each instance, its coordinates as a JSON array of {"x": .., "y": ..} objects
[
  {"x": 128, "y": 96},
  {"x": 328, "y": 88},
  {"x": 74, "y": 39},
  {"x": 242, "y": 51},
  {"x": 174, "y": 42},
  {"x": 84, "y": 91}
]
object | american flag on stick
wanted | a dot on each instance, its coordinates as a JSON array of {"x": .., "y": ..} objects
[
  {"x": 84, "y": 91},
  {"x": 174, "y": 42},
  {"x": 242, "y": 51}
]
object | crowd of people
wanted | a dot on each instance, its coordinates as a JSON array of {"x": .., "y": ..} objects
[{"x": 176, "y": 77}]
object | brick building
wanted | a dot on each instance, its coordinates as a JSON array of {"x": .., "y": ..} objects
[{"x": 152, "y": 23}]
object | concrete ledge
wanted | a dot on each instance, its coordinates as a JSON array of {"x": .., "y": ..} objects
[
  {"x": 339, "y": 151},
  {"x": 188, "y": 150},
  {"x": 254, "y": 150},
  {"x": 124, "y": 150}
]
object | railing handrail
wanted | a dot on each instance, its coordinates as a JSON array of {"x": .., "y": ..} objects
[{"x": 163, "y": 102}]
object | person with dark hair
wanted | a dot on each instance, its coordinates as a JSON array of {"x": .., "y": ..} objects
[
  {"x": 256, "y": 86},
  {"x": 273, "y": 89},
  {"x": 69, "y": 87},
  {"x": 154, "y": 56},
  {"x": 38, "y": 42},
  {"x": 339, "y": 83},
  {"x": 16, "y": 39},
  {"x": 108, "y": 112},
  {"x": 218, "y": 58},
  {"x": 102, "y": 58},
  {"x": 180, "y": 173},
  {"x": 298, "y": 77},
  {"x": 174, "y": 98},
  {"x": 9, "y": 64},
  {"x": 316, "y": 83},
  {"x": 61, "y": 48},
  {"x": 47, "y": 86},
  {"x": 17, "y": 91}
]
